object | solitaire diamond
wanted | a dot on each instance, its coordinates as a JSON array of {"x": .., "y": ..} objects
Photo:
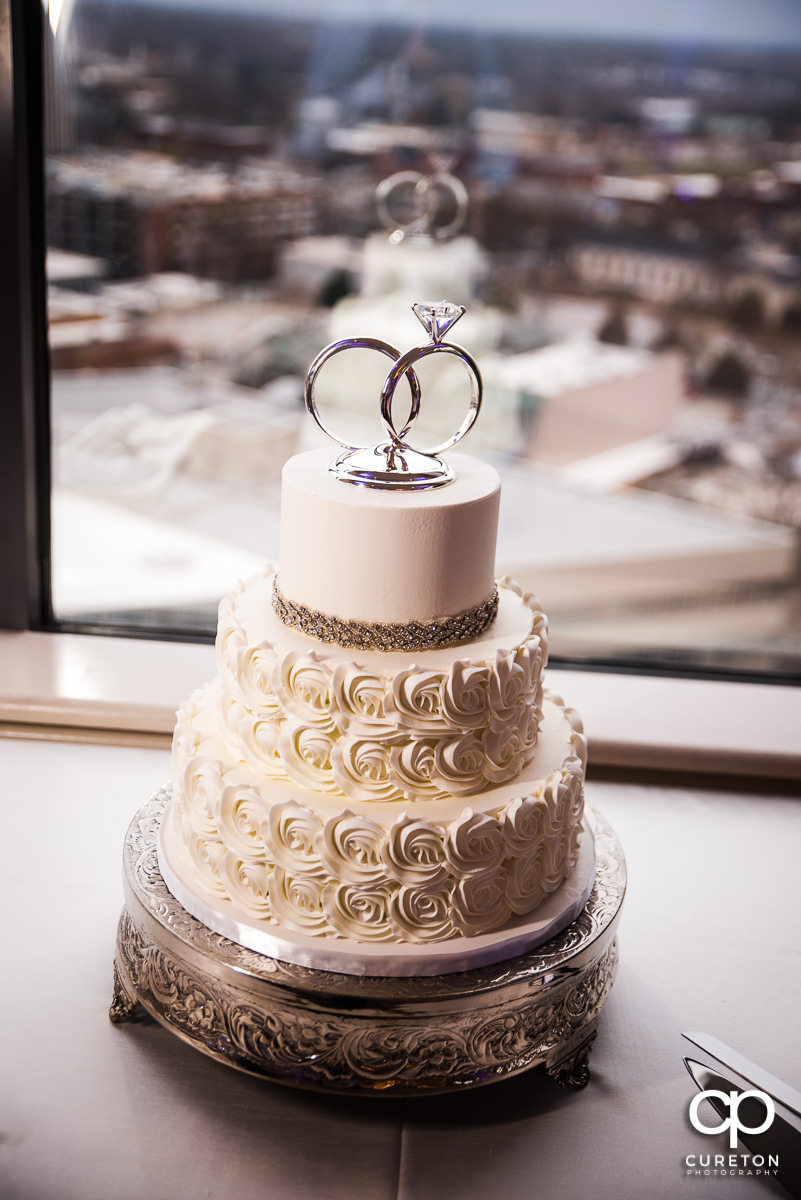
[{"x": 437, "y": 318}]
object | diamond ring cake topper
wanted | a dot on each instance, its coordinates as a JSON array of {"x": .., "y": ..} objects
[
  {"x": 424, "y": 196},
  {"x": 396, "y": 463}
]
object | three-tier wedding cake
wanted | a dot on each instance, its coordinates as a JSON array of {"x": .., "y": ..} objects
[{"x": 376, "y": 781}]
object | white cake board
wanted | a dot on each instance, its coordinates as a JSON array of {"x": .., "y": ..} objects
[{"x": 348, "y": 957}]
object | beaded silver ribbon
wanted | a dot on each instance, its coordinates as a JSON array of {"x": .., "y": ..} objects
[{"x": 387, "y": 635}]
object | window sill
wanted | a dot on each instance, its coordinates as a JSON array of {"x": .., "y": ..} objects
[{"x": 83, "y": 688}]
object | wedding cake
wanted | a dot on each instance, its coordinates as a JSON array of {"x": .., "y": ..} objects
[{"x": 376, "y": 768}]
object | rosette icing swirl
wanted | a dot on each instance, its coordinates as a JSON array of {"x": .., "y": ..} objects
[
  {"x": 305, "y": 751},
  {"x": 555, "y": 795},
  {"x": 573, "y": 846},
  {"x": 422, "y": 914},
  {"x": 525, "y": 888},
  {"x": 530, "y": 658},
  {"x": 413, "y": 766},
  {"x": 350, "y": 848},
  {"x": 523, "y": 822},
  {"x": 241, "y": 810},
  {"x": 185, "y": 742},
  {"x": 254, "y": 678},
  {"x": 362, "y": 768},
  {"x": 506, "y": 753},
  {"x": 459, "y": 764},
  {"x": 359, "y": 911},
  {"x": 414, "y": 852},
  {"x": 463, "y": 694},
  {"x": 415, "y": 699},
  {"x": 297, "y": 900},
  {"x": 578, "y": 741},
  {"x": 186, "y": 738},
  {"x": 201, "y": 790},
  {"x": 358, "y": 696},
  {"x": 479, "y": 902},
  {"x": 230, "y": 639},
  {"x": 507, "y": 689},
  {"x": 247, "y": 883},
  {"x": 207, "y": 857},
  {"x": 290, "y": 833},
  {"x": 553, "y": 865},
  {"x": 303, "y": 686},
  {"x": 474, "y": 843},
  {"x": 258, "y": 741}
]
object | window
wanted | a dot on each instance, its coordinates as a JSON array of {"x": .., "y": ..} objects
[{"x": 630, "y": 261}]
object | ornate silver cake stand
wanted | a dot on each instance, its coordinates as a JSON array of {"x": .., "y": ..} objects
[{"x": 364, "y": 1035}]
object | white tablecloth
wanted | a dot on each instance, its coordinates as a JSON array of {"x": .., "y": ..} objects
[{"x": 709, "y": 941}]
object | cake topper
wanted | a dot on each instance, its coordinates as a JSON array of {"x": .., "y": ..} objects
[
  {"x": 397, "y": 464},
  {"x": 427, "y": 192}
]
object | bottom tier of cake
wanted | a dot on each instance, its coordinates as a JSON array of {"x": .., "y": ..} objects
[
  {"x": 350, "y": 956},
  {"x": 260, "y": 859},
  {"x": 364, "y": 1035}
]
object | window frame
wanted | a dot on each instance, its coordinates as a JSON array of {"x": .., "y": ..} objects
[{"x": 25, "y": 601}]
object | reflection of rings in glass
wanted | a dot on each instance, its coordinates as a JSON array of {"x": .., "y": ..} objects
[
  {"x": 385, "y": 189},
  {"x": 424, "y": 196},
  {"x": 404, "y": 365},
  {"x": 458, "y": 193},
  {"x": 360, "y": 344}
]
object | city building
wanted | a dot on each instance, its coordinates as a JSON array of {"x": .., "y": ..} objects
[{"x": 145, "y": 213}]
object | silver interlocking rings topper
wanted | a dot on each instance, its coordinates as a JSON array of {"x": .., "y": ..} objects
[
  {"x": 396, "y": 463},
  {"x": 426, "y": 194}
]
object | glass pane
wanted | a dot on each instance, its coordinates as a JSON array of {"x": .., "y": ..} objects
[{"x": 615, "y": 197}]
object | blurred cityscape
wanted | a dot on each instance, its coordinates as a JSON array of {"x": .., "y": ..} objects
[{"x": 631, "y": 263}]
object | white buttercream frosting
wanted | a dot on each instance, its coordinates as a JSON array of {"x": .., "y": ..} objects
[
  {"x": 375, "y": 726},
  {"x": 377, "y": 797},
  {"x": 360, "y": 912},
  {"x": 290, "y": 833},
  {"x": 370, "y": 869}
]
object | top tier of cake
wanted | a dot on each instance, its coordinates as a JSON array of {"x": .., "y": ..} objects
[{"x": 361, "y": 554}]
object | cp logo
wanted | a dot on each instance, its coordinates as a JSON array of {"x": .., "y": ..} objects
[{"x": 732, "y": 1101}]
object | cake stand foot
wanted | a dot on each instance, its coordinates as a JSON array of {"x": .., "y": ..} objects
[
  {"x": 124, "y": 1007},
  {"x": 573, "y": 1069}
]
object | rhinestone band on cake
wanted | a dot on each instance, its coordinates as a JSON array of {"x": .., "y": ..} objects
[{"x": 387, "y": 636}]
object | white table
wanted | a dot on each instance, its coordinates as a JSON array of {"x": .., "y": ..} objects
[{"x": 709, "y": 941}]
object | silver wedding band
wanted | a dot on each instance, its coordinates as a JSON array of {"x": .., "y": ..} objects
[
  {"x": 360, "y": 344},
  {"x": 403, "y": 364}
]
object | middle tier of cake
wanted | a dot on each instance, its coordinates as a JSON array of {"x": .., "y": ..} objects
[{"x": 370, "y": 725}]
